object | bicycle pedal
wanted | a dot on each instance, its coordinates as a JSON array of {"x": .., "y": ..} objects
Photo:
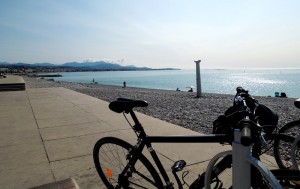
[{"x": 178, "y": 165}]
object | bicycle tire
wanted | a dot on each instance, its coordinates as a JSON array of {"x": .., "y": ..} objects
[
  {"x": 110, "y": 158},
  {"x": 287, "y": 178},
  {"x": 282, "y": 147}
]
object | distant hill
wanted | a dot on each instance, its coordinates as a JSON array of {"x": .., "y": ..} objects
[
  {"x": 99, "y": 65},
  {"x": 4, "y": 63}
]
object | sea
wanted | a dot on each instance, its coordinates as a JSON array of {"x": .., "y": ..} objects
[{"x": 259, "y": 82}]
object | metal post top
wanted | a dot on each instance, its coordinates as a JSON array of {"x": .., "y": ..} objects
[{"x": 197, "y": 61}]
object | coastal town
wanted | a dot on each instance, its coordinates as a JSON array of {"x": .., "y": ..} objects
[{"x": 23, "y": 68}]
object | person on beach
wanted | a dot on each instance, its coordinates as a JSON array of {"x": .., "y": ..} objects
[
  {"x": 177, "y": 89},
  {"x": 93, "y": 80},
  {"x": 124, "y": 84},
  {"x": 191, "y": 90}
]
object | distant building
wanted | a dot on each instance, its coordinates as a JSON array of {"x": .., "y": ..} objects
[
  {"x": 29, "y": 70},
  {"x": 4, "y": 70}
]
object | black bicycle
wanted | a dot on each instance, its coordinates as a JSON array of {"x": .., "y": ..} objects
[
  {"x": 281, "y": 140},
  {"x": 282, "y": 148},
  {"x": 122, "y": 165}
]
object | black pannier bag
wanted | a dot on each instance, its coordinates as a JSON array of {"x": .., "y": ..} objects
[
  {"x": 263, "y": 115},
  {"x": 266, "y": 118}
]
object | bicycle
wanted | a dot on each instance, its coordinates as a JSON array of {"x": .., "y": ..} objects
[
  {"x": 283, "y": 152},
  {"x": 135, "y": 170},
  {"x": 281, "y": 140}
]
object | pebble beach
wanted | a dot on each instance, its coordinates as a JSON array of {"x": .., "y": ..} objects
[{"x": 177, "y": 107}]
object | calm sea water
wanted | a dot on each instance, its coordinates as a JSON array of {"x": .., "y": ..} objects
[{"x": 262, "y": 82}]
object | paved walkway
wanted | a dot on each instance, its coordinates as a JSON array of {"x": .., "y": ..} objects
[{"x": 48, "y": 134}]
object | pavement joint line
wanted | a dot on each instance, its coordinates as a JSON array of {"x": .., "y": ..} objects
[
  {"x": 67, "y": 125},
  {"x": 77, "y": 105},
  {"x": 87, "y": 134},
  {"x": 86, "y": 155},
  {"x": 196, "y": 163},
  {"x": 40, "y": 136}
]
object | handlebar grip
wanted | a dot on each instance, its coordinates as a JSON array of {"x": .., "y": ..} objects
[{"x": 246, "y": 138}]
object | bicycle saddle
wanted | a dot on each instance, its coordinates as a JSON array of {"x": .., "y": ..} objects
[
  {"x": 297, "y": 103},
  {"x": 125, "y": 104}
]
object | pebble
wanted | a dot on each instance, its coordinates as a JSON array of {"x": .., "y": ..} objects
[{"x": 177, "y": 107}]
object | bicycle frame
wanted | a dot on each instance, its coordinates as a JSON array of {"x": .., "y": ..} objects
[
  {"x": 241, "y": 166},
  {"x": 144, "y": 140}
]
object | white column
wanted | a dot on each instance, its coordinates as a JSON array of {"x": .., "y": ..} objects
[{"x": 198, "y": 78}]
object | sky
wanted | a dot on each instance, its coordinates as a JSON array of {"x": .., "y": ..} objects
[{"x": 153, "y": 33}]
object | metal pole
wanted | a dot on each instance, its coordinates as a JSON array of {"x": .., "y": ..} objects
[
  {"x": 198, "y": 78},
  {"x": 240, "y": 166}
]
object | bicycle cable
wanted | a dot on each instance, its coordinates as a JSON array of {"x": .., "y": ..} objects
[
  {"x": 184, "y": 174},
  {"x": 130, "y": 124}
]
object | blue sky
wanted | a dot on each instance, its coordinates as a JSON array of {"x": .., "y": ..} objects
[{"x": 153, "y": 33}]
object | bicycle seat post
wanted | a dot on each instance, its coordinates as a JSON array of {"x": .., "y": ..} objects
[
  {"x": 241, "y": 168},
  {"x": 134, "y": 118},
  {"x": 138, "y": 129}
]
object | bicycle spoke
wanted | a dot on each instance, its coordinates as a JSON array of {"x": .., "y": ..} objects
[
  {"x": 111, "y": 160},
  {"x": 146, "y": 178}
]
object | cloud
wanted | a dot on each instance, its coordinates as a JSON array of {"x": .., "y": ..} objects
[
  {"x": 88, "y": 60},
  {"x": 118, "y": 61},
  {"x": 121, "y": 61}
]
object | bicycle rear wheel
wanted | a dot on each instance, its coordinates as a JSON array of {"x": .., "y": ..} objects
[
  {"x": 111, "y": 157},
  {"x": 287, "y": 178},
  {"x": 283, "y": 145}
]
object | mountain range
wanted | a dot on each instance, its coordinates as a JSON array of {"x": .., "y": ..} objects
[
  {"x": 99, "y": 65},
  {"x": 91, "y": 65}
]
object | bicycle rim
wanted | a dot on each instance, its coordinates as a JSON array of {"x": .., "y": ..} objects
[
  {"x": 111, "y": 157},
  {"x": 287, "y": 178},
  {"x": 282, "y": 147}
]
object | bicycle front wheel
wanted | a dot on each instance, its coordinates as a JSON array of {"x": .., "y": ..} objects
[
  {"x": 111, "y": 157},
  {"x": 283, "y": 145},
  {"x": 287, "y": 178}
]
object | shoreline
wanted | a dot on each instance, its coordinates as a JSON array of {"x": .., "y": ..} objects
[{"x": 177, "y": 107}]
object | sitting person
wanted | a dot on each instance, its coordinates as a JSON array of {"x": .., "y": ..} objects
[{"x": 191, "y": 90}]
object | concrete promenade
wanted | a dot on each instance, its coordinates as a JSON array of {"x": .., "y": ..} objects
[{"x": 47, "y": 135}]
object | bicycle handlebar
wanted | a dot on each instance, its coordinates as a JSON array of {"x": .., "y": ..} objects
[
  {"x": 242, "y": 94},
  {"x": 246, "y": 124}
]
